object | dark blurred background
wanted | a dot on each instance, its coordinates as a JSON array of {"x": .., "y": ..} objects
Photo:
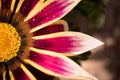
[{"x": 100, "y": 19}]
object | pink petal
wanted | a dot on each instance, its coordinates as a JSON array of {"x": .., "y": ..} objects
[
  {"x": 51, "y": 12},
  {"x": 58, "y": 26},
  {"x": 27, "y": 6},
  {"x": 21, "y": 73},
  {"x": 41, "y": 76},
  {"x": 68, "y": 43},
  {"x": 6, "y": 7},
  {"x": 56, "y": 64},
  {"x": 6, "y": 4}
]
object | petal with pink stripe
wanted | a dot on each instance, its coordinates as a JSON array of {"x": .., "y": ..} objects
[
  {"x": 41, "y": 76},
  {"x": 6, "y": 4},
  {"x": 56, "y": 64},
  {"x": 27, "y": 5},
  {"x": 21, "y": 73},
  {"x": 52, "y": 10},
  {"x": 68, "y": 43},
  {"x": 6, "y": 7},
  {"x": 58, "y": 26}
]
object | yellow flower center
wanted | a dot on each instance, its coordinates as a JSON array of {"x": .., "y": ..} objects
[{"x": 10, "y": 42}]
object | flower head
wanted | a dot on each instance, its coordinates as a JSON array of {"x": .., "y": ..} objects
[{"x": 32, "y": 34}]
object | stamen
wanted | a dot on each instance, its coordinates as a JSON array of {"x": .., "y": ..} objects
[{"x": 10, "y": 42}]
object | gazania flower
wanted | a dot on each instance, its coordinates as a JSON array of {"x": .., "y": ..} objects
[{"x": 32, "y": 34}]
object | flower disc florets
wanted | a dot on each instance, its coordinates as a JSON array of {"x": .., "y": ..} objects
[{"x": 10, "y": 42}]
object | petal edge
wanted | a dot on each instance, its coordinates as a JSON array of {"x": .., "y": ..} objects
[
  {"x": 69, "y": 43},
  {"x": 57, "y": 65}
]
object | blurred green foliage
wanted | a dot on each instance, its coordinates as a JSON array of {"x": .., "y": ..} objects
[
  {"x": 93, "y": 10},
  {"x": 80, "y": 57}
]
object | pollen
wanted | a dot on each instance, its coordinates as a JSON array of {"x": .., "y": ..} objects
[{"x": 10, "y": 42}]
